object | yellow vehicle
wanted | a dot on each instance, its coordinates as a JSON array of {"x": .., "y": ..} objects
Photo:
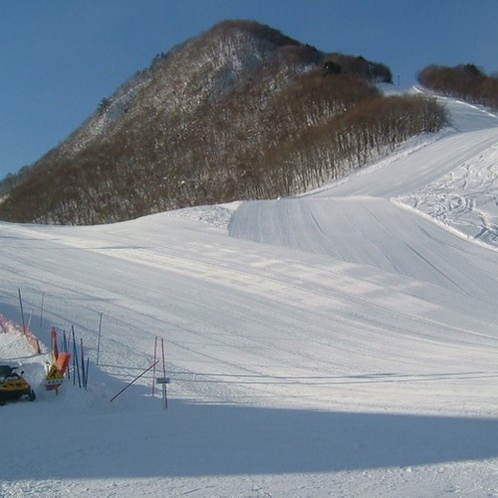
[{"x": 13, "y": 386}]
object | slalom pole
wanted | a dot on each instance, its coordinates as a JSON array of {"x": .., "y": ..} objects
[
  {"x": 133, "y": 381},
  {"x": 98, "y": 339},
  {"x": 86, "y": 371},
  {"x": 22, "y": 313},
  {"x": 154, "y": 369},
  {"x": 165, "y": 390},
  {"x": 66, "y": 350},
  {"x": 41, "y": 310},
  {"x": 54, "y": 344},
  {"x": 83, "y": 375},
  {"x": 74, "y": 363},
  {"x": 75, "y": 351}
]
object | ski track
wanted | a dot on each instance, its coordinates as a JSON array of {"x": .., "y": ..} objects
[{"x": 339, "y": 343}]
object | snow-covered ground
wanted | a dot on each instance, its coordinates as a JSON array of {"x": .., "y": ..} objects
[{"x": 342, "y": 343}]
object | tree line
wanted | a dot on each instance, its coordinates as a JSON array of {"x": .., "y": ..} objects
[
  {"x": 465, "y": 81},
  {"x": 237, "y": 114},
  {"x": 313, "y": 131}
]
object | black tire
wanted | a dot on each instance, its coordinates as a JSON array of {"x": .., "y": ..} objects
[{"x": 31, "y": 395}]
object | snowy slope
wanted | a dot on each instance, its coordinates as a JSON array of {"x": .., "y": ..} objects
[{"x": 342, "y": 343}]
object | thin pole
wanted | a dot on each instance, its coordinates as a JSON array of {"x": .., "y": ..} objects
[
  {"x": 83, "y": 374},
  {"x": 22, "y": 313},
  {"x": 76, "y": 361},
  {"x": 133, "y": 381},
  {"x": 98, "y": 340},
  {"x": 41, "y": 311},
  {"x": 154, "y": 370},
  {"x": 165, "y": 391},
  {"x": 86, "y": 371},
  {"x": 66, "y": 350}
]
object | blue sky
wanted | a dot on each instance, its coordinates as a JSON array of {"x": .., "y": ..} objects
[{"x": 59, "y": 58}]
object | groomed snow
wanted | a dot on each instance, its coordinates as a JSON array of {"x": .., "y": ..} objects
[{"x": 341, "y": 343}]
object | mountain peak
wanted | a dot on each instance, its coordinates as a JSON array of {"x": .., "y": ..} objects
[{"x": 240, "y": 111}]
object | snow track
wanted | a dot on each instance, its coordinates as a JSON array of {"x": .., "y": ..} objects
[{"x": 342, "y": 342}]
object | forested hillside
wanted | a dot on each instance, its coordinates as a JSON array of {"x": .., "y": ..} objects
[
  {"x": 465, "y": 81},
  {"x": 239, "y": 112}
]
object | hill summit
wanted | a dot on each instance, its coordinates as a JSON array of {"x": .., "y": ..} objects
[{"x": 241, "y": 111}]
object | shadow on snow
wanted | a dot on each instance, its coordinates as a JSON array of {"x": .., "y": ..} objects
[{"x": 199, "y": 440}]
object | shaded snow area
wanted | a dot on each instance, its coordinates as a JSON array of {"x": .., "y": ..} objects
[{"x": 340, "y": 343}]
